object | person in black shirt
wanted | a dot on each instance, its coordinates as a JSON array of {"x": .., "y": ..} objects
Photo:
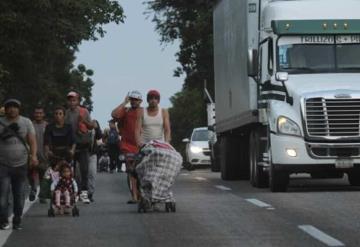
[{"x": 59, "y": 140}]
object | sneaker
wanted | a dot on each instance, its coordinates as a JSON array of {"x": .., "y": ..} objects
[
  {"x": 5, "y": 226},
  {"x": 17, "y": 226},
  {"x": 84, "y": 197},
  {"x": 32, "y": 195}
]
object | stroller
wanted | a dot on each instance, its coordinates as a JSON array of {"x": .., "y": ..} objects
[
  {"x": 54, "y": 210},
  {"x": 156, "y": 172}
]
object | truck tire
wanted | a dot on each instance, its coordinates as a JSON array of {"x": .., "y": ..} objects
[
  {"x": 234, "y": 163},
  {"x": 354, "y": 178},
  {"x": 215, "y": 158},
  {"x": 258, "y": 177},
  {"x": 278, "y": 180}
]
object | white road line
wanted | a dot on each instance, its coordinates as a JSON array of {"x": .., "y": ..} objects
[
  {"x": 222, "y": 187},
  {"x": 200, "y": 178},
  {"x": 321, "y": 236},
  {"x": 184, "y": 174},
  {"x": 5, "y": 234},
  {"x": 259, "y": 203}
]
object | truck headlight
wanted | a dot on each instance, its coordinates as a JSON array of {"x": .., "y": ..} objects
[
  {"x": 288, "y": 127},
  {"x": 195, "y": 149}
]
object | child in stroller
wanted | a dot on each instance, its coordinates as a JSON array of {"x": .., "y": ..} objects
[
  {"x": 51, "y": 174},
  {"x": 64, "y": 192}
]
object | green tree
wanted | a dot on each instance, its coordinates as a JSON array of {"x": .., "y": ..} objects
[
  {"x": 38, "y": 41},
  {"x": 190, "y": 22},
  {"x": 187, "y": 113}
]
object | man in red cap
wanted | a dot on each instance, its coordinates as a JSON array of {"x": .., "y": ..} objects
[
  {"x": 153, "y": 122},
  {"x": 79, "y": 118}
]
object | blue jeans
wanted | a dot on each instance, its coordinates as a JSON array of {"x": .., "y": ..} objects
[{"x": 16, "y": 177}]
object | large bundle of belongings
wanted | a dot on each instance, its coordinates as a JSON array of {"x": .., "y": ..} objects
[{"x": 159, "y": 166}]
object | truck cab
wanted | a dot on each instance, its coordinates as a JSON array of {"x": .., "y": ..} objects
[{"x": 303, "y": 68}]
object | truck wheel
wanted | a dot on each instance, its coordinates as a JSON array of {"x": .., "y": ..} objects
[
  {"x": 354, "y": 178},
  {"x": 214, "y": 158},
  {"x": 229, "y": 163},
  {"x": 278, "y": 180},
  {"x": 258, "y": 177}
]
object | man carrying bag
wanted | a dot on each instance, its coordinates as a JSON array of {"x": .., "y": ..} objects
[{"x": 16, "y": 133}]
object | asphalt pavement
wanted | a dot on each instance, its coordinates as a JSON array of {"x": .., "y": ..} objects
[{"x": 210, "y": 212}]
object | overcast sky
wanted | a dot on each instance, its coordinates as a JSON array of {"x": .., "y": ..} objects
[{"x": 129, "y": 57}]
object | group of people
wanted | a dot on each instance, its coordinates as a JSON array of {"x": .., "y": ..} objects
[
  {"x": 30, "y": 149},
  {"x": 140, "y": 125}
]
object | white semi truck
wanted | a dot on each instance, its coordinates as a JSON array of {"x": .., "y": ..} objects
[{"x": 287, "y": 89}]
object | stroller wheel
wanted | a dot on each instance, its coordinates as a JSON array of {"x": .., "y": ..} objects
[
  {"x": 167, "y": 206},
  {"x": 51, "y": 212},
  {"x": 75, "y": 212},
  {"x": 173, "y": 207},
  {"x": 141, "y": 207}
]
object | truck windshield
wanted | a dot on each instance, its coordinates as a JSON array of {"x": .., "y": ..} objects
[{"x": 319, "y": 54}]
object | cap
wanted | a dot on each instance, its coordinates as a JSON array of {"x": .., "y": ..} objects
[
  {"x": 72, "y": 94},
  {"x": 153, "y": 93},
  {"x": 135, "y": 95},
  {"x": 13, "y": 102}
]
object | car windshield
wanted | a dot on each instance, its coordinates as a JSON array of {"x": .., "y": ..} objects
[
  {"x": 200, "y": 135},
  {"x": 319, "y": 54}
]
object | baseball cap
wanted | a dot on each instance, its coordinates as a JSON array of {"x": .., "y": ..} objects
[
  {"x": 153, "y": 93},
  {"x": 72, "y": 94},
  {"x": 12, "y": 102},
  {"x": 135, "y": 95}
]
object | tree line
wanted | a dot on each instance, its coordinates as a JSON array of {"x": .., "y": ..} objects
[
  {"x": 39, "y": 39},
  {"x": 189, "y": 21},
  {"x": 38, "y": 42}
]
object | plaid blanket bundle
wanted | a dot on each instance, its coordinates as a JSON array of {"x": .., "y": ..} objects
[{"x": 157, "y": 172}]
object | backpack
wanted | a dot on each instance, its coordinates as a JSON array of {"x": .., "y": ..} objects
[
  {"x": 81, "y": 126},
  {"x": 113, "y": 137},
  {"x": 83, "y": 136}
]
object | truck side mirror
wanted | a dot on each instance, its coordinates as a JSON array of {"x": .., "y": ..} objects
[{"x": 253, "y": 63}]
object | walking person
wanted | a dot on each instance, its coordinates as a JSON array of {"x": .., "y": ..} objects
[
  {"x": 79, "y": 118},
  {"x": 59, "y": 139},
  {"x": 59, "y": 142},
  {"x": 36, "y": 174},
  {"x": 153, "y": 122},
  {"x": 93, "y": 159},
  {"x": 16, "y": 132},
  {"x": 113, "y": 146},
  {"x": 127, "y": 117}
]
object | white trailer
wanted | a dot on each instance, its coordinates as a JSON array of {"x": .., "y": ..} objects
[{"x": 287, "y": 89}]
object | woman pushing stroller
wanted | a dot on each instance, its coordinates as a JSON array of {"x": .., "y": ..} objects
[{"x": 59, "y": 144}]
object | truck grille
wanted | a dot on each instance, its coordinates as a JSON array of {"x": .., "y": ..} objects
[{"x": 332, "y": 117}]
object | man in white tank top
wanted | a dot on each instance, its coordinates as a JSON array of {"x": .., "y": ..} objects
[{"x": 153, "y": 122}]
